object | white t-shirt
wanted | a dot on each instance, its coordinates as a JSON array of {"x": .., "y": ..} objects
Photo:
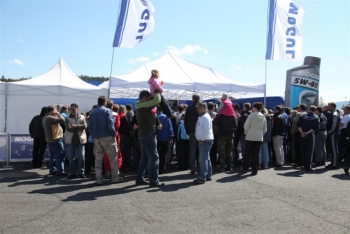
[{"x": 345, "y": 121}]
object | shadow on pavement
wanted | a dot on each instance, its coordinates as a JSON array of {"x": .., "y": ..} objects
[
  {"x": 234, "y": 178},
  {"x": 342, "y": 176}
]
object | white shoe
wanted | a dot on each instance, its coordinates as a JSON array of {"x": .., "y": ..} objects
[{"x": 117, "y": 179}]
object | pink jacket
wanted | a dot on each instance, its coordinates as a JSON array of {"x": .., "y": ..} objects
[
  {"x": 154, "y": 84},
  {"x": 227, "y": 110}
]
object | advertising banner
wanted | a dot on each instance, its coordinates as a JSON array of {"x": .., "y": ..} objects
[
  {"x": 302, "y": 83},
  {"x": 22, "y": 148}
]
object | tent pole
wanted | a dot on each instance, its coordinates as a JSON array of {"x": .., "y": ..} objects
[{"x": 110, "y": 76}]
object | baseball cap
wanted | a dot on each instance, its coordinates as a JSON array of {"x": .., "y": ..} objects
[{"x": 73, "y": 105}]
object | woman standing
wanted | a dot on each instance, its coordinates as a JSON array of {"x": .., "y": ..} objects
[
  {"x": 254, "y": 128},
  {"x": 124, "y": 136}
]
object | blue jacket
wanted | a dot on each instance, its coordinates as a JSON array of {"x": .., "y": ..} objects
[
  {"x": 308, "y": 122},
  {"x": 166, "y": 133},
  {"x": 181, "y": 132},
  {"x": 101, "y": 123}
]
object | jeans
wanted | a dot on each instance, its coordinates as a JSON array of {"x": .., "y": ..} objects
[
  {"x": 56, "y": 154},
  {"x": 264, "y": 154},
  {"x": 149, "y": 155},
  {"x": 76, "y": 152},
  {"x": 242, "y": 141},
  {"x": 205, "y": 168},
  {"x": 193, "y": 151}
]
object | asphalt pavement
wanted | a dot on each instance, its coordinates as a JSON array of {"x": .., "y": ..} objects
[{"x": 277, "y": 200}]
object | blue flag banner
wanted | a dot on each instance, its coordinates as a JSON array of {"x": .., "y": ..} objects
[
  {"x": 135, "y": 23},
  {"x": 284, "y": 40}
]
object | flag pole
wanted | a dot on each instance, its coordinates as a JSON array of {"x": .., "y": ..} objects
[
  {"x": 110, "y": 76},
  {"x": 267, "y": 41}
]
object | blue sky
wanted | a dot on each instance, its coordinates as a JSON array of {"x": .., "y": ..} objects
[{"x": 229, "y": 36}]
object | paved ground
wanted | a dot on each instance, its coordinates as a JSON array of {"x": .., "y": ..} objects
[{"x": 276, "y": 201}]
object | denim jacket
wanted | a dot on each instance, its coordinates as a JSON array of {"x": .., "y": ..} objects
[{"x": 101, "y": 123}]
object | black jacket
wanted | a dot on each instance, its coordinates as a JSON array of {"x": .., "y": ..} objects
[
  {"x": 36, "y": 128},
  {"x": 278, "y": 125},
  {"x": 191, "y": 118},
  {"x": 308, "y": 122},
  {"x": 124, "y": 126},
  {"x": 241, "y": 122},
  {"x": 226, "y": 125}
]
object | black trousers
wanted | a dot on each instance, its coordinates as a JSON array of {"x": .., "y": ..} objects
[
  {"x": 332, "y": 141},
  {"x": 162, "y": 147},
  {"x": 184, "y": 154},
  {"x": 39, "y": 148},
  {"x": 297, "y": 147},
  {"x": 252, "y": 150},
  {"x": 136, "y": 154},
  {"x": 214, "y": 151},
  {"x": 346, "y": 161},
  {"x": 341, "y": 146},
  {"x": 165, "y": 107},
  {"x": 235, "y": 151},
  {"x": 308, "y": 145},
  {"x": 89, "y": 157}
]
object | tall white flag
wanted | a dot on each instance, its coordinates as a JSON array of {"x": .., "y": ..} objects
[
  {"x": 135, "y": 23},
  {"x": 284, "y": 40}
]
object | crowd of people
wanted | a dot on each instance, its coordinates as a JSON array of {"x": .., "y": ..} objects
[{"x": 112, "y": 140}]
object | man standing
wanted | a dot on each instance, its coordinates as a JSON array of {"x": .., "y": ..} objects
[
  {"x": 164, "y": 135},
  {"x": 278, "y": 135},
  {"x": 146, "y": 131},
  {"x": 342, "y": 133},
  {"x": 191, "y": 118},
  {"x": 205, "y": 137},
  {"x": 76, "y": 138},
  {"x": 101, "y": 127},
  {"x": 214, "y": 147},
  {"x": 37, "y": 132},
  {"x": 320, "y": 139},
  {"x": 307, "y": 125},
  {"x": 226, "y": 125},
  {"x": 297, "y": 137},
  {"x": 54, "y": 139},
  {"x": 240, "y": 129},
  {"x": 333, "y": 123}
]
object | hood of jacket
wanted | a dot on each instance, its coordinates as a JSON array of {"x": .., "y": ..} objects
[{"x": 257, "y": 115}]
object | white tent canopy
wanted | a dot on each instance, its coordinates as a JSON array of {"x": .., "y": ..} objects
[
  {"x": 2, "y": 106},
  {"x": 181, "y": 80},
  {"x": 58, "y": 86}
]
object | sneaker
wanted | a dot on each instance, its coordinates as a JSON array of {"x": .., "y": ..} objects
[
  {"x": 153, "y": 185},
  {"x": 208, "y": 179},
  {"x": 81, "y": 176},
  {"x": 346, "y": 170},
  {"x": 108, "y": 175},
  {"x": 143, "y": 182},
  {"x": 253, "y": 173},
  {"x": 117, "y": 179},
  {"x": 198, "y": 181}
]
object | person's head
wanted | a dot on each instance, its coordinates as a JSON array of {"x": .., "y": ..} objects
[
  {"x": 180, "y": 108},
  {"x": 64, "y": 109},
  {"x": 264, "y": 111},
  {"x": 270, "y": 111},
  {"x": 293, "y": 113},
  {"x": 128, "y": 107},
  {"x": 224, "y": 96},
  {"x": 278, "y": 109},
  {"x": 159, "y": 108},
  {"x": 347, "y": 110},
  {"x": 154, "y": 73},
  {"x": 109, "y": 104},
  {"x": 94, "y": 107},
  {"x": 257, "y": 106},
  {"x": 122, "y": 109},
  {"x": 287, "y": 110},
  {"x": 282, "y": 108},
  {"x": 43, "y": 111},
  {"x": 302, "y": 107},
  {"x": 237, "y": 107},
  {"x": 115, "y": 108},
  {"x": 313, "y": 109},
  {"x": 74, "y": 109},
  {"x": 325, "y": 108},
  {"x": 247, "y": 106},
  {"x": 318, "y": 110},
  {"x": 211, "y": 106},
  {"x": 102, "y": 101},
  {"x": 201, "y": 107},
  {"x": 144, "y": 96},
  {"x": 50, "y": 109},
  {"x": 332, "y": 106},
  {"x": 195, "y": 98}
]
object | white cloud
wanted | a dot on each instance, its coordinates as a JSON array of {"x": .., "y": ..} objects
[
  {"x": 139, "y": 60},
  {"x": 15, "y": 61},
  {"x": 186, "y": 50},
  {"x": 20, "y": 40}
]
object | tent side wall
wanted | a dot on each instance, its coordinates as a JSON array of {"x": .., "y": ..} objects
[
  {"x": 2, "y": 106},
  {"x": 24, "y": 105}
]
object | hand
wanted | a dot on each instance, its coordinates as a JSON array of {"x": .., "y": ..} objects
[
  {"x": 55, "y": 112},
  {"x": 162, "y": 82},
  {"x": 303, "y": 134},
  {"x": 73, "y": 126},
  {"x": 159, "y": 127},
  {"x": 136, "y": 126}
]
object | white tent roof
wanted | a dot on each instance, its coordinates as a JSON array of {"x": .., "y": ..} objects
[
  {"x": 181, "y": 80},
  {"x": 57, "y": 86}
]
